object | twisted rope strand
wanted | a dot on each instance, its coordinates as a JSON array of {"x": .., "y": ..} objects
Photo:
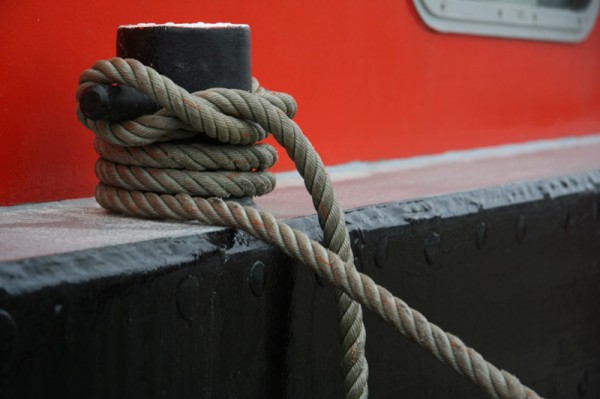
[
  {"x": 191, "y": 156},
  {"x": 133, "y": 178}
]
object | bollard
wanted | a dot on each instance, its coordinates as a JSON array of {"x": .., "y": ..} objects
[{"x": 195, "y": 56}]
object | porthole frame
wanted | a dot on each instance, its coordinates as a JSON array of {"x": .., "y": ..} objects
[{"x": 509, "y": 20}]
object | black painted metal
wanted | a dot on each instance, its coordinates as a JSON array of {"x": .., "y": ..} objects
[
  {"x": 513, "y": 270},
  {"x": 115, "y": 103},
  {"x": 194, "y": 57}
]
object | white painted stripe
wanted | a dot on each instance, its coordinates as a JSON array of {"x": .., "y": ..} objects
[{"x": 355, "y": 169}]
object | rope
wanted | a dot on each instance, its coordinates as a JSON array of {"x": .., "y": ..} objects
[
  {"x": 146, "y": 154},
  {"x": 146, "y": 171}
]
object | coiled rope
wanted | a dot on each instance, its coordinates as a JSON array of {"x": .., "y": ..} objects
[{"x": 146, "y": 170}]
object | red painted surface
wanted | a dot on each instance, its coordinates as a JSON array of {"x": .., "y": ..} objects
[{"x": 371, "y": 80}]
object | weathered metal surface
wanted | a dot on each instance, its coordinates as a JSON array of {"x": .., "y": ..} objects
[
  {"x": 525, "y": 296},
  {"x": 76, "y": 225},
  {"x": 175, "y": 327},
  {"x": 513, "y": 270}
]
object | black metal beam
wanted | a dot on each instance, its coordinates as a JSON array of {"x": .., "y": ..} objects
[{"x": 513, "y": 270}]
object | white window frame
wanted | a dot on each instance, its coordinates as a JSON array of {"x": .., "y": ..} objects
[{"x": 509, "y": 20}]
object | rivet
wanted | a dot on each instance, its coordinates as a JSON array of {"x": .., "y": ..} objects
[
  {"x": 8, "y": 340},
  {"x": 432, "y": 247},
  {"x": 520, "y": 229},
  {"x": 357, "y": 262},
  {"x": 320, "y": 281},
  {"x": 480, "y": 235},
  {"x": 58, "y": 309},
  {"x": 187, "y": 297},
  {"x": 358, "y": 245},
  {"x": 381, "y": 253},
  {"x": 567, "y": 221},
  {"x": 257, "y": 278},
  {"x": 582, "y": 386}
]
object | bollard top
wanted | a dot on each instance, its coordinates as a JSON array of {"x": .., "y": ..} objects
[{"x": 193, "y": 25}]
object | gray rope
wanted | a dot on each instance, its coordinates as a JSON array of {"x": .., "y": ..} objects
[
  {"x": 172, "y": 181},
  {"x": 147, "y": 162},
  {"x": 237, "y": 117},
  {"x": 191, "y": 156}
]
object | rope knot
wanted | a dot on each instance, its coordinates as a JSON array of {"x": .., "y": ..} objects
[{"x": 192, "y": 144}]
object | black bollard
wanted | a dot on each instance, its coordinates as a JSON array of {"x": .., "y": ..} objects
[{"x": 195, "y": 56}]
